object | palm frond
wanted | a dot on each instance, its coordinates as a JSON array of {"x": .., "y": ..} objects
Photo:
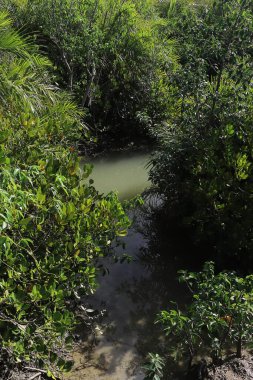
[
  {"x": 10, "y": 40},
  {"x": 22, "y": 82}
]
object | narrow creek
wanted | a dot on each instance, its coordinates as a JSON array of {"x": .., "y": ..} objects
[{"x": 132, "y": 293}]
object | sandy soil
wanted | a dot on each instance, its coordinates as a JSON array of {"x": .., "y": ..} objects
[{"x": 234, "y": 369}]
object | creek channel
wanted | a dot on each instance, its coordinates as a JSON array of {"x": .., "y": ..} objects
[{"x": 132, "y": 293}]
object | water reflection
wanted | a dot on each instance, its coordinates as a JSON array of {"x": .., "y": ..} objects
[{"x": 132, "y": 293}]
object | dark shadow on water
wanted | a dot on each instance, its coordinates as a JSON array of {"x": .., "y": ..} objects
[{"x": 135, "y": 293}]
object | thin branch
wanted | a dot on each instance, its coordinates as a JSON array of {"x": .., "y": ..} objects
[
  {"x": 34, "y": 376},
  {"x": 35, "y": 369}
]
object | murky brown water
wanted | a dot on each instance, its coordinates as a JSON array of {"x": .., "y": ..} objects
[{"x": 132, "y": 293}]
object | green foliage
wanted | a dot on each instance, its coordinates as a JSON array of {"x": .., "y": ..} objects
[
  {"x": 109, "y": 54},
  {"x": 154, "y": 367},
  {"x": 54, "y": 225},
  {"x": 220, "y": 314},
  {"x": 204, "y": 167}
]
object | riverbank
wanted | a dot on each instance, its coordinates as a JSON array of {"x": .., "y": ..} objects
[
  {"x": 107, "y": 146},
  {"x": 234, "y": 369}
]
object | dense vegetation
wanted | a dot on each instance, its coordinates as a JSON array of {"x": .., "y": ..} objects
[
  {"x": 204, "y": 172},
  {"x": 109, "y": 55},
  {"x": 219, "y": 316},
  {"x": 179, "y": 71},
  {"x": 204, "y": 167},
  {"x": 54, "y": 225}
]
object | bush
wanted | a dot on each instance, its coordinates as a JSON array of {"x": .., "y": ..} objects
[
  {"x": 109, "y": 55},
  {"x": 54, "y": 224},
  {"x": 204, "y": 166},
  {"x": 219, "y": 316}
]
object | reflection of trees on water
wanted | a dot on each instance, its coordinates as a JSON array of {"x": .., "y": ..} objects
[
  {"x": 134, "y": 293},
  {"x": 168, "y": 244},
  {"x": 150, "y": 295},
  {"x": 167, "y": 250},
  {"x": 152, "y": 291}
]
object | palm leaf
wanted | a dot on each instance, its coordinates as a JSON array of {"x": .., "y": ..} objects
[{"x": 10, "y": 40}]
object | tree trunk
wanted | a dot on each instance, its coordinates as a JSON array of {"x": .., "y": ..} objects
[
  {"x": 239, "y": 348},
  {"x": 190, "y": 361},
  {"x": 70, "y": 84},
  {"x": 86, "y": 95},
  {"x": 66, "y": 63}
]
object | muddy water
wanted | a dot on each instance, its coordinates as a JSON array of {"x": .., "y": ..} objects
[
  {"x": 124, "y": 172},
  {"x": 132, "y": 293}
]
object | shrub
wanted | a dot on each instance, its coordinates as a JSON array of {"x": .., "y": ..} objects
[
  {"x": 204, "y": 166},
  {"x": 219, "y": 316},
  {"x": 54, "y": 224}
]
